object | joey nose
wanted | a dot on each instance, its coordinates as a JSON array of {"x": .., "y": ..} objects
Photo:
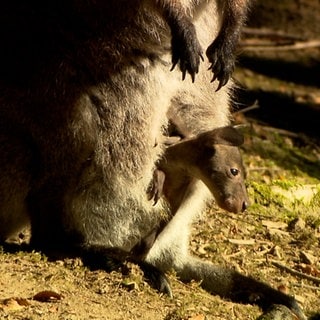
[{"x": 245, "y": 205}]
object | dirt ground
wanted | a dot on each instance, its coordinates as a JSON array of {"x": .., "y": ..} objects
[{"x": 276, "y": 240}]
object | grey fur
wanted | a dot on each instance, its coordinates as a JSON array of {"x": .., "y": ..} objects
[{"x": 185, "y": 47}]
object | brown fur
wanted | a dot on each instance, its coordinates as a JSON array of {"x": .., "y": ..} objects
[{"x": 214, "y": 158}]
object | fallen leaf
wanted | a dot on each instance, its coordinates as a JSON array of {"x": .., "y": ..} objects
[
  {"x": 14, "y": 304},
  {"x": 130, "y": 284},
  {"x": 242, "y": 241},
  {"x": 278, "y": 232},
  {"x": 308, "y": 269},
  {"x": 197, "y": 317},
  {"x": 274, "y": 224},
  {"x": 47, "y": 296},
  {"x": 307, "y": 257},
  {"x": 276, "y": 251},
  {"x": 283, "y": 288}
]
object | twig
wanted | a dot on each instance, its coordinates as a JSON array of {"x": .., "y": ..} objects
[
  {"x": 254, "y": 106},
  {"x": 280, "y": 131},
  {"x": 295, "y": 272},
  {"x": 264, "y": 32},
  {"x": 295, "y": 46},
  {"x": 302, "y": 285},
  {"x": 257, "y": 42},
  {"x": 291, "y": 134}
]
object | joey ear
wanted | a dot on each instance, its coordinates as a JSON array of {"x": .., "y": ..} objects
[{"x": 226, "y": 136}]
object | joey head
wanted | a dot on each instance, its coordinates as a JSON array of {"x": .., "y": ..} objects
[{"x": 212, "y": 157}]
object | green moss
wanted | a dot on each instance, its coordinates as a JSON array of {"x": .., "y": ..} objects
[
  {"x": 283, "y": 157},
  {"x": 313, "y": 221},
  {"x": 285, "y": 184},
  {"x": 316, "y": 199},
  {"x": 263, "y": 195}
]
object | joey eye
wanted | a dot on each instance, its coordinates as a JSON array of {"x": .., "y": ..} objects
[{"x": 234, "y": 171}]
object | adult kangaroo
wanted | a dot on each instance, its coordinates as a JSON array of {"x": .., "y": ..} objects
[{"x": 85, "y": 89}]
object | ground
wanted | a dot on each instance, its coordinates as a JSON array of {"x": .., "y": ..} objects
[{"x": 276, "y": 240}]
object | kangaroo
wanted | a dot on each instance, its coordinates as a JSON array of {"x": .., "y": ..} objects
[
  {"x": 85, "y": 91},
  {"x": 185, "y": 47}
]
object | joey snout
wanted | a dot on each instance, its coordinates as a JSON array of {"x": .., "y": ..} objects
[
  {"x": 233, "y": 203},
  {"x": 229, "y": 191}
]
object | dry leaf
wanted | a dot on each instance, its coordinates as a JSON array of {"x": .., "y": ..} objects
[
  {"x": 278, "y": 232},
  {"x": 130, "y": 284},
  {"x": 47, "y": 296},
  {"x": 242, "y": 241},
  {"x": 197, "y": 317},
  {"x": 14, "y": 304},
  {"x": 308, "y": 269},
  {"x": 307, "y": 257},
  {"x": 274, "y": 224},
  {"x": 276, "y": 251},
  {"x": 283, "y": 288}
]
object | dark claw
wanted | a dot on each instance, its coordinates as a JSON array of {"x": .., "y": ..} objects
[
  {"x": 193, "y": 76},
  {"x": 186, "y": 51},
  {"x": 221, "y": 58},
  {"x": 222, "y": 82},
  {"x": 173, "y": 66},
  {"x": 183, "y": 74},
  {"x": 157, "y": 278},
  {"x": 186, "y": 65}
]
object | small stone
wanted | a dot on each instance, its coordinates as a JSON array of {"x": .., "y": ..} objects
[
  {"x": 297, "y": 224},
  {"x": 276, "y": 251},
  {"x": 307, "y": 258}
]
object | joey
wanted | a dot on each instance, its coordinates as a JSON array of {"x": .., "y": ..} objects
[{"x": 212, "y": 157}]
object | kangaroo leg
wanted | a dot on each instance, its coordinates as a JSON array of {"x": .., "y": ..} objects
[
  {"x": 237, "y": 287},
  {"x": 170, "y": 251}
]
